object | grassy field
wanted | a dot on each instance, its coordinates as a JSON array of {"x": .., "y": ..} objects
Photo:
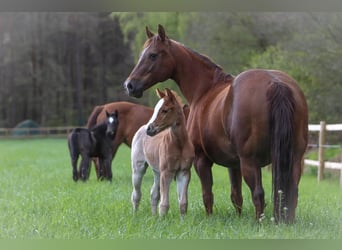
[{"x": 39, "y": 200}]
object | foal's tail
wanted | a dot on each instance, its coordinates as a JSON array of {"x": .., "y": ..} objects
[
  {"x": 93, "y": 116},
  {"x": 73, "y": 144},
  {"x": 281, "y": 105}
]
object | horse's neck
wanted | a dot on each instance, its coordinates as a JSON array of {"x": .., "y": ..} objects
[
  {"x": 98, "y": 130},
  {"x": 178, "y": 131},
  {"x": 196, "y": 75}
]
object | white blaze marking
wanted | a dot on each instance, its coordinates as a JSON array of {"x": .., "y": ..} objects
[
  {"x": 156, "y": 110},
  {"x": 111, "y": 119},
  {"x": 142, "y": 54}
]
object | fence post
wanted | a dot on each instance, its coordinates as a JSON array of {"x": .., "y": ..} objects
[
  {"x": 321, "y": 143},
  {"x": 341, "y": 173}
]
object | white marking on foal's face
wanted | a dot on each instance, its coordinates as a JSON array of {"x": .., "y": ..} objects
[
  {"x": 156, "y": 110},
  {"x": 111, "y": 120}
]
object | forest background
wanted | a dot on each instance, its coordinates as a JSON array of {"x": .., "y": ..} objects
[{"x": 55, "y": 67}]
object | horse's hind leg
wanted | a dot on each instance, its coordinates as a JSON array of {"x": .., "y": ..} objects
[
  {"x": 85, "y": 166},
  {"x": 75, "y": 173},
  {"x": 183, "y": 179},
  {"x": 155, "y": 192},
  {"x": 236, "y": 193},
  {"x": 97, "y": 167},
  {"x": 138, "y": 172},
  {"x": 252, "y": 176}
]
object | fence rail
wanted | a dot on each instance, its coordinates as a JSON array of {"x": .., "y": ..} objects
[
  {"x": 322, "y": 128},
  {"x": 35, "y": 132}
]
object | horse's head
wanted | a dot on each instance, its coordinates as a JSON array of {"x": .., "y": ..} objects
[
  {"x": 165, "y": 113},
  {"x": 112, "y": 123},
  {"x": 155, "y": 64}
]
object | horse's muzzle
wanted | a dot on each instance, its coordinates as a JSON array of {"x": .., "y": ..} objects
[
  {"x": 110, "y": 134},
  {"x": 151, "y": 130},
  {"x": 133, "y": 88}
]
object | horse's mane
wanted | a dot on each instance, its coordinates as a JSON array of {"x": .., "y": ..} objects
[{"x": 220, "y": 75}]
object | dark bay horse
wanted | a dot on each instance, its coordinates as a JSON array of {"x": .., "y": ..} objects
[
  {"x": 163, "y": 143},
  {"x": 94, "y": 142},
  {"x": 243, "y": 122},
  {"x": 132, "y": 117}
]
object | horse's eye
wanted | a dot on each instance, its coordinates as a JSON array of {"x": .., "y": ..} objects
[
  {"x": 164, "y": 111},
  {"x": 153, "y": 56}
]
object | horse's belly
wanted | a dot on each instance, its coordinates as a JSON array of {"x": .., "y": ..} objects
[{"x": 220, "y": 151}]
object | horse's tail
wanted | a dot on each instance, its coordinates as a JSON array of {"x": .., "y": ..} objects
[
  {"x": 93, "y": 116},
  {"x": 73, "y": 143},
  {"x": 281, "y": 105}
]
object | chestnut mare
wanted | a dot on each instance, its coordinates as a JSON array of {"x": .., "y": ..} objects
[
  {"x": 163, "y": 143},
  {"x": 243, "y": 122},
  {"x": 132, "y": 117}
]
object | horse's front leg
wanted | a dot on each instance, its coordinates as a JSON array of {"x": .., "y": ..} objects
[
  {"x": 203, "y": 169},
  {"x": 155, "y": 192},
  {"x": 183, "y": 179},
  {"x": 165, "y": 181},
  {"x": 106, "y": 165},
  {"x": 138, "y": 172}
]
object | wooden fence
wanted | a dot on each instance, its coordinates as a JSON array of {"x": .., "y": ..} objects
[
  {"x": 35, "y": 132},
  {"x": 322, "y": 128}
]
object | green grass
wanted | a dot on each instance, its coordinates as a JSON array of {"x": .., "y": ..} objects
[{"x": 39, "y": 200}]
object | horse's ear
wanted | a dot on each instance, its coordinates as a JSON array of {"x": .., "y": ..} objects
[
  {"x": 160, "y": 94},
  {"x": 149, "y": 33},
  {"x": 116, "y": 113},
  {"x": 169, "y": 93},
  {"x": 107, "y": 114},
  {"x": 161, "y": 33}
]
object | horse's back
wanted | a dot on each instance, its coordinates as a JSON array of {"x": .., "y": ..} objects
[
  {"x": 80, "y": 139},
  {"x": 132, "y": 116}
]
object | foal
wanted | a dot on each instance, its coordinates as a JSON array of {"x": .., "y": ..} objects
[
  {"x": 94, "y": 142},
  {"x": 163, "y": 143}
]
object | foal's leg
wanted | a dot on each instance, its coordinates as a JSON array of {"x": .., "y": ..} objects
[
  {"x": 155, "y": 192},
  {"x": 252, "y": 176},
  {"x": 236, "y": 193},
  {"x": 106, "y": 165},
  {"x": 165, "y": 181},
  {"x": 138, "y": 172},
  {"x": 84, "y": 169},
  {"x": 183, "y": 179},
  {"x": 74, "y": 154},
  {"x": 97, "y": 167},
  {"x": 74, "y": 159},
  {"x": 203, "y": 169}
]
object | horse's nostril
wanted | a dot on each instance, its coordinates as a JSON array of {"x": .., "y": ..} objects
[
  {"x": 148, "y": 128},
  {"x": 129, "y": 86}
]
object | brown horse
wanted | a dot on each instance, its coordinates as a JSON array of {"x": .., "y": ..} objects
[
  {"x": 164, "y": 144},
  {"x": 243, "y": 122},
  {"x": 132, "y": 117}
]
